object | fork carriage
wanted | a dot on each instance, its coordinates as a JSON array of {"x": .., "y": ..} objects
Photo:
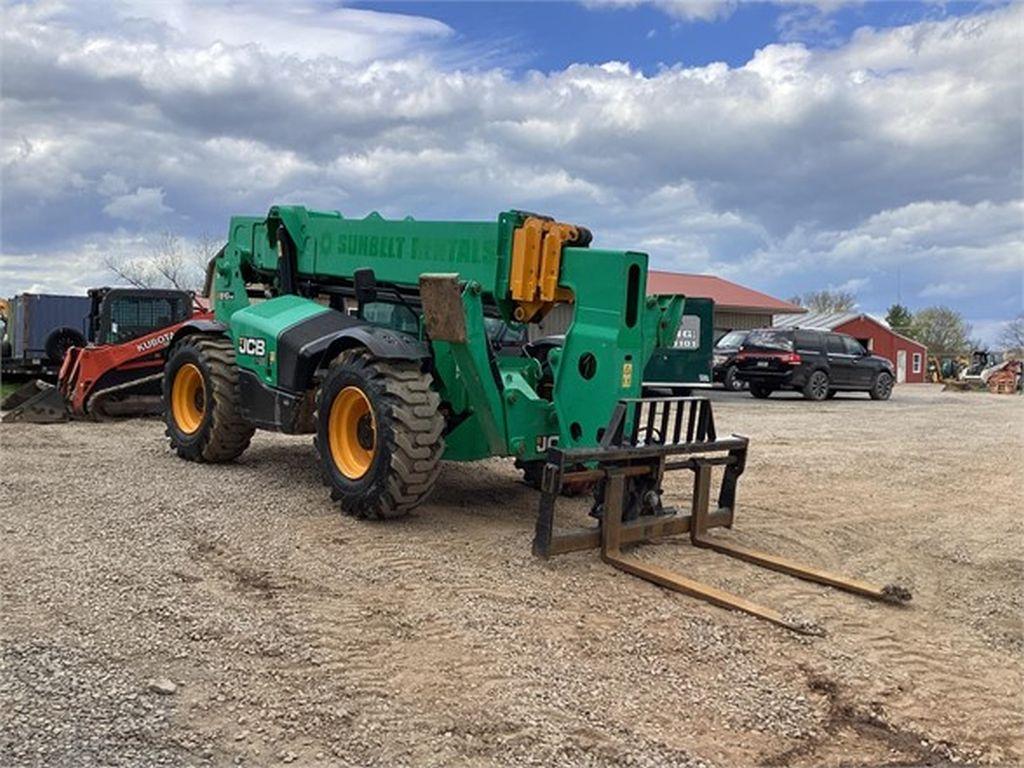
[{"x": 645, "y": 439}]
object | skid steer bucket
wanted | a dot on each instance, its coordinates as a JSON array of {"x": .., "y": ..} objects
[
  {"x": 37, "y": 402},
  {"x": 645, "y": 439}
]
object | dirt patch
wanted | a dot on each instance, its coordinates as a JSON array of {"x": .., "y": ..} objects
[{"x": 294, "y": 634}]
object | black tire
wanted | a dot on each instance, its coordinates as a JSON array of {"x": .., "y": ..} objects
[
  {"x": 816, "y": 386},
  {"x": 403, "y": 427},
  {"x": 831, "y": 394},
  {"x": 759, "y": 390},
  {"x": 60, "y": 341},
  {"x": 881, "y": 386},
  {"x": 222, "y": 434},
  {"x": 729, "y": 380}
]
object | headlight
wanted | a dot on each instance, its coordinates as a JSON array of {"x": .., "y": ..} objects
[{"x": 718, "y": 359}]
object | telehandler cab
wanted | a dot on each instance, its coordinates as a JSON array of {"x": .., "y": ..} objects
[{"x": 373, "y": 335}]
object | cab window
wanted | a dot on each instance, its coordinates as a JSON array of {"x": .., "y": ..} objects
[
  {"x": 398, "y": 317},
  {"x": 731, "y": 340},
  {"x": 808, "y": 340},
  {"x": 770, "y": 339},
  {"x": 853, "y": 347},
  {"x": 834, "y": 345}
]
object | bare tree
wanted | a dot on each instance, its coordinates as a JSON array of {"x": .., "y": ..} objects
[
  {"x": 942, "y": 330},
  {"x": 1012, "y": 335},
  {"x": 826, "y": 301},
  {"x": 168, "y": 264}
]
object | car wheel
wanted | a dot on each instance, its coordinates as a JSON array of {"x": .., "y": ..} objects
[
  {"x": 730, "y": 381},
  {"x": 881, "y": 387},
  {"x": 816, "y": 387},
  {"x": 760, "y": 391},
  {"x": 831, "y": 393}
]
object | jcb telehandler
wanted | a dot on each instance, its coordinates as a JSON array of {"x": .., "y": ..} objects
[{"x": 372, "y": 335}]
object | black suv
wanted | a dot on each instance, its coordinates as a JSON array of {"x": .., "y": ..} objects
[
  {"x": 723, "y": 360},
  {"x": 817, "y": 363}
]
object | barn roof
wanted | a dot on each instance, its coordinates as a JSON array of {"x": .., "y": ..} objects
[
  {"x": 820, "y": 321},
  {"x": 727, "y": 295},
  {"x": 829, "y": 321}
]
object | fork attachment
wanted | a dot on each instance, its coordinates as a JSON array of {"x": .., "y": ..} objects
[{"x": 645, "y": 439}]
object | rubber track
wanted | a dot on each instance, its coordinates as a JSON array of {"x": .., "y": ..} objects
[
  {"x": 416, "y": 425},
  {"x": 229, "y": 434}
]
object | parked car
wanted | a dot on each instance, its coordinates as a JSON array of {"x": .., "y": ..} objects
[
  {"x": 817, "y": 363},
  {"x": 723, "y": 360}
]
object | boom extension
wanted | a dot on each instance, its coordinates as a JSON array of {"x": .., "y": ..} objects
[{"x": 645, "y": 439}]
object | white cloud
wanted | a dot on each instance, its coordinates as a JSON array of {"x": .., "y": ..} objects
[
  {"x": 144, "y": 204},
  {"x": 945, "y": 290},
  {"x": 305, "y": 29},
  {"x": 901, "y": 146},
  {"x": 715, "y": 10},
  {"x": 853, "y": 285}
]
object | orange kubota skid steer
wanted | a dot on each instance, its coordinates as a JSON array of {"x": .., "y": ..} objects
[{"x": 119, "y": 372}]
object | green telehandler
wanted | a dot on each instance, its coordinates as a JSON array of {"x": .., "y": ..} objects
[{"x": 373, "y": 335}]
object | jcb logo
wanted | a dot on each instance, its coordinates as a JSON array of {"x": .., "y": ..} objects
[{"x": 253, "y": 347}]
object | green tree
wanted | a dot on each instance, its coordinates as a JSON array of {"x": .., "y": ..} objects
[
  {"x": 942, "y": 330},
  {"x": 826, "y": 301},
  {"x": 899, "y": 318}
]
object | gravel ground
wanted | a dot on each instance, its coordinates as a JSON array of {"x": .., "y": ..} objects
[{"x": 160, "y": 612}]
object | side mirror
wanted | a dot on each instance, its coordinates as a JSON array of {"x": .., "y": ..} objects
[{"x": 366, "y": 286}]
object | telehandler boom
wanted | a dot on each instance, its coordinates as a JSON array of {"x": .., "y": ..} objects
[{"x": 372, "y": 334}]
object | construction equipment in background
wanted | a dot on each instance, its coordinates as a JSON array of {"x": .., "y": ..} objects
[
  {"x": 373, "y": 335},
  {"x": 686, "y": 364},
  {"x": 119, "y": 373},
  {"x": 1004, "y": 378},
  {"x": 38, "y": 329},
  {"x": 985, "y": 371}
]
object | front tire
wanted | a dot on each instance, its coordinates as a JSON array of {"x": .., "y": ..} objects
[
  {"x": 816, "y": 387},
  {"x": 201, "y": 401},
  {"x": 881, "y": 387},
  {"x": 378, "y": 434}
]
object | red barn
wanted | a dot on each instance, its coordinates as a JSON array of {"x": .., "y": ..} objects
[{"x": 908, "y": 356}]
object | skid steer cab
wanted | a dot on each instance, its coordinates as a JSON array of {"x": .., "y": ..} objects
[
  {"x": 399, "y": 343},
  {"x": 116, "y": 367}
]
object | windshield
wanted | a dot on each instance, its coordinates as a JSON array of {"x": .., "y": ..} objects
[
  {"x": 731, "y": 340},
  {"x": 769, "y": 339}
]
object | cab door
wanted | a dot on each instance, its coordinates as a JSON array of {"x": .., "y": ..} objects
[
  {"x": 840, "y": 361},
  {"x": 861, "y": 368}
]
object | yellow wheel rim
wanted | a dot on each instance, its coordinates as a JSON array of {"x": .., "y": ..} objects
[
  {"x": 188, "y": 398},
  {"x": 352, "y": 433}
]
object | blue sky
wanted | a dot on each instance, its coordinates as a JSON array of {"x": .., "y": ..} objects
[
  {"x": 550, "y": 36},
  {"x": 788, "y": 146}
]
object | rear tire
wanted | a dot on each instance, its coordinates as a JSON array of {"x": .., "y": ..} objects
[
  {"x": 378, "y": 434},
  {"x": 816, "y": 387},
  {"x": 881, "y": 387},
  {"x": 760, "y": 391},
  {"x": 60, "y": 341},
  {"x": 730, "y": 382},
  {"x": 201, "y": 400}
]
